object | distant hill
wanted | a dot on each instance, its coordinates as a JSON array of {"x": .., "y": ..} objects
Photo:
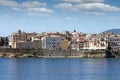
[{"x": 115, "y": 31}]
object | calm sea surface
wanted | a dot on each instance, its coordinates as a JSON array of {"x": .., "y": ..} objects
[{"x": 59, "y": 69}]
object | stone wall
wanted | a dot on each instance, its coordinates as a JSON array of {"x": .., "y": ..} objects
[
  {"x": 53, "y": 53},
  {"x": 81, "y": 53}
]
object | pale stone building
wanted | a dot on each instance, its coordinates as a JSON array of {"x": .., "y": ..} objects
[
  {"x": 33, "y": 44},
  {"x": 91, "y": 42},
  {"x": 103, "y": 40},
  {"x": 78, "y": 40},
  {"x": 51, "y": 42},
  {"x": 20, "y": 37},
  {"x": 96, "y": 41}
]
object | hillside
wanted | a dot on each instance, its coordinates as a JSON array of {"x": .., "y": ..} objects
[{"x": 115, "y": 31}]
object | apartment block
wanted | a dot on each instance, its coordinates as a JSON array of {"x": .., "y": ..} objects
[{"x": 51, "y": 42}]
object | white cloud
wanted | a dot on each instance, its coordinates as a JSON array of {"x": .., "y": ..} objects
[
  {"x": 97, "y": 7},
  {"x": 66, "y": 6},
  {"x": 8, "y": 3},
  {"x": 40, "y": 10},
  {"x": 37, "y": 14},
  {"x": 95, "y": 13},
  {"x": 15, "y": 8},
  {"x": 70, "y": 18},
  {"x": 33, "y": 4},
  {"x": 83, "y": 1},
  {"x": 35, "y": 7},
  {"x": 87, "y": 6}
]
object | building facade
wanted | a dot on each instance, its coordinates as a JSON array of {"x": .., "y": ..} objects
[
  {"x": 114, "y": 42},
  {"x": 4, "y": 42},
  {"x": 34, "y": 44},
  {"x": 103, "y": 40},
  {"x": 51, "y": 43},
  {"x": 96, "y": 41},
  {"x": 65, "y": 44},
  {"x": 20, "y": 37},
  {"x": 1, "y": 41}
]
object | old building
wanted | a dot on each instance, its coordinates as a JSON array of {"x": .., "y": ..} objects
[
  {"x": 20, "y": 37},
  {"x": 81, "y": 41},
  {"x": 51, "y": 42},
  {"x": 74, "y": 46},
  {"x": 66, "y": 33},
  {"x": 114, "y": 42},
  {"x": 3, "y": 42},
  {"x": 30, "y": 35},
  {"x": 65, "y": 44},
  {"x": 78, "y": 40},
  {"x": 33, "y": 44},
  {"x": 17, "y": 37},
  {"x": 91, "y": 42},
  {"x": 103, "y": 40},
  {"x": 97, "y": 41}
]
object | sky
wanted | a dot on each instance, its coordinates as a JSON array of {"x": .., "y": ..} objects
[{"x": 87, "y": 16}]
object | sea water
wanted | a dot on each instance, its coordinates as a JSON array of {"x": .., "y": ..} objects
[{"x": 59, "y": 69}]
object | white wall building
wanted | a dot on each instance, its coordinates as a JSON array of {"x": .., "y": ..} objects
[
  {"x": 103, "y": 41},
  {"x": 74, "y": 46},
  {"x": 96, "y": 41},
  {"x": 51, "y": 43}
]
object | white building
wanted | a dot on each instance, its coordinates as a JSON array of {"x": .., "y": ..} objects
[
  {"x": 103, "y": 40},
  {"x": 52, "y": 43},
  {"x": 74, "y": 46},
  {"x": 91, "y": 42},
  {"x": 96, "y": 41}
]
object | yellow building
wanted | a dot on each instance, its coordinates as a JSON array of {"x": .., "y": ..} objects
[{"x": 65, "y": 44}]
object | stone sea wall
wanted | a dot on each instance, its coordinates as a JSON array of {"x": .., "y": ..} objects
[{"x": 53, "y": 53}]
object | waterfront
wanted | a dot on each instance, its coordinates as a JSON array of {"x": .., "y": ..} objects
[{"x": 59, "y": 69}]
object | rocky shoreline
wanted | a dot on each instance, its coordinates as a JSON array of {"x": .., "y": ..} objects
[
  {"x": 58, "y": 54},
  {"x": 16, "y": 55}
]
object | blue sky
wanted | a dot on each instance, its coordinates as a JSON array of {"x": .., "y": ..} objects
[{"x": 88, "y": 16}]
